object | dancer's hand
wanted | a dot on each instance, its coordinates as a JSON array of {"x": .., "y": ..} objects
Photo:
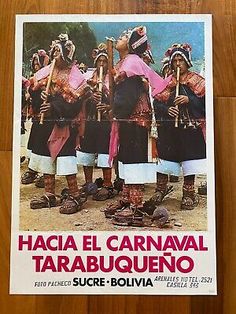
[
  {"x": 45, "y": 108},
  {"x": 181, "y": 100},
  {"x": 173, "y": 112},
  {"x": 97, "y": 97},
  {"x": 103, "y": 107},
  {"x": 44, "y": 95}
]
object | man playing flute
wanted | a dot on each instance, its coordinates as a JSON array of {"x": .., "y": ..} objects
[
  {"x": 180, "y": 110},
  {"x": 55, "y": 150},
  {"x": 95, "y": 138},
  {"x": 39, "y": 60},
  {"x": 130, "y": 136}
]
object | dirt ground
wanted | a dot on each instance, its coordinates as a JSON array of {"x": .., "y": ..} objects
[{"x": 91, "y": 217}]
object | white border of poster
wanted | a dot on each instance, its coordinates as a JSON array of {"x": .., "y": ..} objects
[{"x": 122, "y": 278}]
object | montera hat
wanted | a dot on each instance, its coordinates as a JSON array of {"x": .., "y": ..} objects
[
  {"x": 66, "y": 46},
  {"x": 180, "y": 49},
  {"x": 101, "y": 50},
  {"x": 137, "y": 40}
]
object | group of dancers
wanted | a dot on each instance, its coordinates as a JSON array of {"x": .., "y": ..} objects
[{"x": 125, "y": 119}]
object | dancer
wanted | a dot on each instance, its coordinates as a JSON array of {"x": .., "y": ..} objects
[
  {"x": 180, "y": 108},
  {"x": 56, "y": 133}
]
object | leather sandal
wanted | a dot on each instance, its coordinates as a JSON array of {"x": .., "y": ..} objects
[
  {"x": 104, "y": 193},
  {"x": 188, "y": 203},
  {"x": 112, "y": 208},
  {"x": 128, "y": 217},
  {"x": 65, "y": 194},
  {"x": 29, "y": 177},
  {"x": 44, "y": 201},
  {"x": 158, "y": 197},
  {"x": 71, "y": 205}
]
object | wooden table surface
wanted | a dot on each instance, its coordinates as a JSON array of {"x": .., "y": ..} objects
[{"x": 224, "y": 65}]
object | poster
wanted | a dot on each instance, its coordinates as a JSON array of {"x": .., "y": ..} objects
[{"x": 161, "y": 240}]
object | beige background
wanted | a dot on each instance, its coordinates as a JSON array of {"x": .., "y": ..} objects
[{"x": 224, "y": 35}]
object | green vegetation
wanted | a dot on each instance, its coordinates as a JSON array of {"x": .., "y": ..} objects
[{"x": 40, "y": 35}]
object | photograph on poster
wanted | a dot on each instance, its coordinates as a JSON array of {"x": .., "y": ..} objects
[
  {"x": 174, "y": 172},
  {"x": 114, "y": 153}
]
